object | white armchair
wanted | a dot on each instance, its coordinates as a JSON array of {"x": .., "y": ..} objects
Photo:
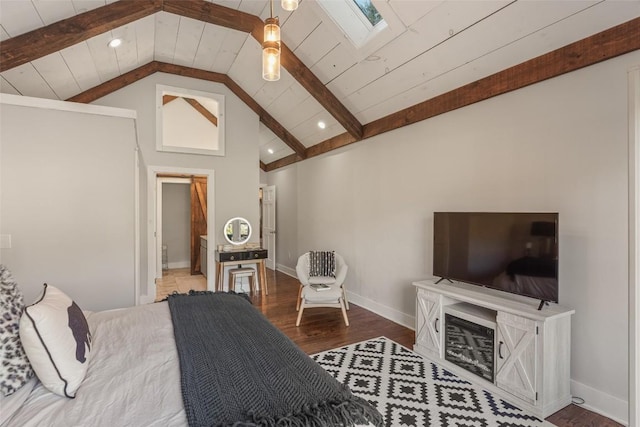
[{"x": 335, "y": 296}]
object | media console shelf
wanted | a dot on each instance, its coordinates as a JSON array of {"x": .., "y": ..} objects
[{"x": 532, "y": 348}]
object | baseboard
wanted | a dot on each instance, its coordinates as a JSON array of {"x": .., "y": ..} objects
[
  {"x": 382, "y": 310},
  {"x": 287, "y": 270},
  {"x": 179, "y": 264},
  {"x": 602, "y": 403},
  {"x": 379, "y": 309}
]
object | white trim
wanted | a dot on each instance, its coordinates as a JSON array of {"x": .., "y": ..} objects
[
  {"x": 179, "y": 264},
  {"x": 162, "y": 90},
  {"x": 287, "y": 270},
  {"x": 382, "y": 310},
  {"x": 157, "y": 230},
  {"x": 600, "y": 402},
  {"x": 54, "y": 104},
  {"x": 136, "y": 228},
  {"x": 152, "y": 175},
  {"x": 374, "y": 307},
  {"x": 634, "y": 247}
]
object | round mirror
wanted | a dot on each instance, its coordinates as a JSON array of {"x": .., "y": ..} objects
[{"x": 237, "y": 231}]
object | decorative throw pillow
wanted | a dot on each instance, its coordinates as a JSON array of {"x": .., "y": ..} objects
[
  {"x": 56, "y": 338},
  {"x": 15, "y": 369},
  {"x": 322, "y": 263}
]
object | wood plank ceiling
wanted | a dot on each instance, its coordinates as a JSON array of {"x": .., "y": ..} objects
[{"x": 433, "y": 57}]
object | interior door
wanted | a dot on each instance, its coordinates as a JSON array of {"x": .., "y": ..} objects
[
  {"x": 198, "y": 219},
  {"x": 269, "y": 224}
]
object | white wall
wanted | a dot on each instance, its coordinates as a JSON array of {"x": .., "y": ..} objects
[
  {"x": 559, "y": 145},
  {"x": 68, "y": 200},
  {"x": 176, "y": 224},
  {"x": 236, "y": 173}
]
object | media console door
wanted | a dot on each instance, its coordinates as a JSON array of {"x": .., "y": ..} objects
[
  {"x": 428, "y": 322},
  {"x": 516, "y": 361}
]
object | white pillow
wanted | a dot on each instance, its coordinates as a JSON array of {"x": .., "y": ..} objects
[{"x": 55, "y": 335}]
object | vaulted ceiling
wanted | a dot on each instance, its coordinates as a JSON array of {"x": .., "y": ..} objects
[{"x": 435, "y": 56}]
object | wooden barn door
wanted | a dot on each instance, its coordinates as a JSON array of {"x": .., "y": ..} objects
[{"x": 198, "y": 219}]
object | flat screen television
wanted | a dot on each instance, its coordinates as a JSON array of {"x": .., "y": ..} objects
[{"x": 511, "y": 252}]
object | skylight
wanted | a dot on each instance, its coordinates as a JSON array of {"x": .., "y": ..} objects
[
  {"x": 358, "y": 19},
  {"x": 367, "y": 24},
  {"x": 369, "y": 11}
]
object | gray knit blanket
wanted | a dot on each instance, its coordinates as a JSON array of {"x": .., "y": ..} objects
[{"x": 237, "y": 369}]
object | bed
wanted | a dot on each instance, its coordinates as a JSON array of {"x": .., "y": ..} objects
[{"x": 137, "y": 375}]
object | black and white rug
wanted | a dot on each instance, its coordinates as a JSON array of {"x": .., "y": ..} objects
[{"x": 409, "y": 390}]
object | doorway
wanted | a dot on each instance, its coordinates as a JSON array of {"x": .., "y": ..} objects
[
  {"x": 201, "y": 213},
  {"x": 180, "y": 223}
]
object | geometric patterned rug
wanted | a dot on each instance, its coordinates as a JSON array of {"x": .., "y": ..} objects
[{"x": 409, "y": 390}]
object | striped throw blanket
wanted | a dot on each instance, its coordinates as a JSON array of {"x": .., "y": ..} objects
[{"x": 237, "y": 369}]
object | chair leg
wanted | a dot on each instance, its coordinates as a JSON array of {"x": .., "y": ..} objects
[
  {"x": 344, "y": 296},
  {"x": 299, "y": 298},
  {"x": 344, "y": 312},
  {"x": 232, "y": 284},
  {"x": 300, "y": 314},
  {"x": 252, "y": 284}
]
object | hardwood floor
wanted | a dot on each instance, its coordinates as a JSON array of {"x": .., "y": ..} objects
[{"x": 323, "y": 329}]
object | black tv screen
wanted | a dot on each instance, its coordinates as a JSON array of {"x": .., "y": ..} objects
[{"x": 511, "y": 252}]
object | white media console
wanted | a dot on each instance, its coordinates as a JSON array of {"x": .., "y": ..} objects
[{"x": 532, "y": 347}]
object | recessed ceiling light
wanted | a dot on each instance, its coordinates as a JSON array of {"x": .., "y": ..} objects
[
  {"x": 322, "y": 124},
  {"x": 270, "y": 150},
  {"x": 115, "y": 43}
]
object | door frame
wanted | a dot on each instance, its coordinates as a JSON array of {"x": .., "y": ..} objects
[
  {"x": 152, "y": 203},
  {"x": 634, "y": 246},
  {"x": 271, "y": 261}
]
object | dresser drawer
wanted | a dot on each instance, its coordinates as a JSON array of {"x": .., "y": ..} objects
[{"x": 241, "y": 255}]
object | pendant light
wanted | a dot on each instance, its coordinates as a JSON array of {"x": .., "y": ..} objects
[
  {"x": 271, "y": 48},
  {"x": 289, "y": 5}
]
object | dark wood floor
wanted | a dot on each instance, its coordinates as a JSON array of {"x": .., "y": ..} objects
[{"x": 323, "y": 329}]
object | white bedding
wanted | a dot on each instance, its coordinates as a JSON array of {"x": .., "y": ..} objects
[{"x": 133, "y": 377}]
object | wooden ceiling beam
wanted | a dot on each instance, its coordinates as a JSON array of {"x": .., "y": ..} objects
[
  {"x": 268, "y": 120},
  {"x": 241, "y": 21},
  {"x": 202, "y": 110},
  {"x": 35, "y": 44},
  {"x": 155, "y": 66},
  {"x": 616, "y": 41},
  {"x": 81, "y": 27},
  {"x": 168, "y": 98},
  {"x": 608, "y": 44},
  {"x": 265, "y": 117},
  {"x": 285, "y": 161},
  {"x": 314, "y": 86},
  {"x": 319, "y": 91},
  {"x": 213, "y": 14},
  {"x": 116, "y": 83}
]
